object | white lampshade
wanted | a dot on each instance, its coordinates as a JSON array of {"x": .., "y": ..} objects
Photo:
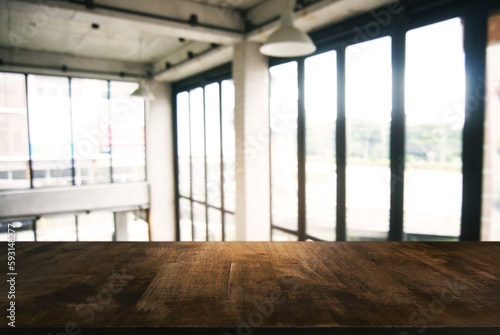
[
  {"x": 288, "y": 41},
  {"x": 144, "y": 92}
]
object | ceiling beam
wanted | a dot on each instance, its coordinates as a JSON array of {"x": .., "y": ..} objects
[
  {"x": 208, "y": 60},
  {"x": 156, "y": 21},
  {"x": 181, "y": 55},
  {"x": 59, "y": 64},
  {"x": 207, "y": 14}
]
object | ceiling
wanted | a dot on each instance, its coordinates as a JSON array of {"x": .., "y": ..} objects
[{"x": 163, "y": 34}]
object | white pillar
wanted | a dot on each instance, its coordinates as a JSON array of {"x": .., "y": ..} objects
[
  {"x": 160, "y": 163},
  {"x": 122, "y": 220},
  {"x": 251, "y": 81}
]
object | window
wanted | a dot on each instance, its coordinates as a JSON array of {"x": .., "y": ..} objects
[
  {"x": 283, "y": 124},
  {"x": 14, "y": 148},
  {"x": 315, "y": 150},
  {"x": 73, "y": 131},
  {"x": 50, "y": 130},
  {"x": 435, "y": 111},
  {"x": 23, "y": 228},
  {"x": 95, "y": 226},
  {"x": 199, "y": 173},
  {"x": 205, "y": 162},
  {"x": 131, "y": 226},
  {"x": 342, "y": 106},
  {"x": 228, "y": 155},
  {"x": 100, "y": 226},
  {"x": 320, "y": 119},
  {"x": 368, "y": 115},
  {"x": 127, "y": 123},
  {"x": 57, "y": 228},
  {"x": 368, "y": 74},
  {"x": 281, "y": 236},
  {"x": 91, "y": 131},
  {"x": 491, "y": 174}
]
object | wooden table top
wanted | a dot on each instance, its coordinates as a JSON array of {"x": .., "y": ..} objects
[{"x": 255, "y": 288}]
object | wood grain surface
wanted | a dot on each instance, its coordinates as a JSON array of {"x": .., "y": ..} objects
[{"x": 256, "y": 288}]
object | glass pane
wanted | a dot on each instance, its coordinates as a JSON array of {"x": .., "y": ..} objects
[
  {"x": 214, "y": 225},
  {"x": 197, "y": 143},
  {"x": 50, "y": 130},
  {"x": 185, "y": 220},
  {"x": 90, "y": 114},
  {"x": 56, "y": 228},
  {"x": 14, "y": 148},
  {"x": 491, "y": 174},
  {"x": 368, "y": 116},
  {"x": 280, "y": 236},
  {"x": 131, "y": 226},
  {"x": 183, "y": 143},
  {"x": 23, "y": 230},
  {"x": 127, "y": 133},
  {"x": 200, "y": 222},
  {"x": 229, "y": 227},
  {"x": 228, "y": 144},
  {"x": 321, "y": 116},
  {"x": 212, "y": 114},
  {"x": 283, "y": 124},
  {"x": 98, "y": 226},
  {"x": 435, "y": 100}
]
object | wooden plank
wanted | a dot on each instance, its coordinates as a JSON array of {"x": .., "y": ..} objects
[{"x": 257, "y": 287}]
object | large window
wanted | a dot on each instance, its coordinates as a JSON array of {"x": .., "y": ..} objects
[
  {"x": 205, "y": 162},
  {"x": 435, "y": 109},
  {"x": 320, "y": 121},
  {"x": 59, "y": 131},
  {"x": 283, "y": 123},
  {"x": 127, "y": 138},
  {"x": 491, "y": 173},
  {"x": 382, "y": 134},
  {"x": 14, "y": 147},
  {"x": 50, "y": 130},
  {"x": 368, "y": 114},
  {"x": 90, "y": 116}
]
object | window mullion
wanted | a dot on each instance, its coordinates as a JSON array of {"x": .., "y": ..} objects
[
  {"x": 175, "y": 132},
  {"x": 191, "y": 168},
  {"x": 221, "y": 139},
  {"x": 341, "y": 147},
  {"x": 397, "y": 145},
  {"x": 30, "y": 160},
  {"x": 205, "y": 161},
  {"x": 475, "y": 44},
  {"x": 71, "y": 128},
  {"x": 110, "y": 134},
  {"x": 301, "y": 152}
]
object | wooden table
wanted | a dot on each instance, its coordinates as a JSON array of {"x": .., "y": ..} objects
[{"x": 255, "y": 288}]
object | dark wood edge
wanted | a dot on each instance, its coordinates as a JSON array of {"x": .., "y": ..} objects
[{"x": 253, "y": 331}]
